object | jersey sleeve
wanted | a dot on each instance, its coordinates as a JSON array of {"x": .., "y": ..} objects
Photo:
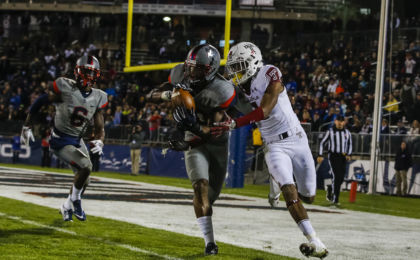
[
  {"x": 103, "y": 100},
  {"x": 222, "y": 95},
  {"x": 273, "y": 75},
  {"x": 62, "y": 85}
]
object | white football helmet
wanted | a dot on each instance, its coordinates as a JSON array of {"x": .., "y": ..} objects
[{"x": 244, "y": 60}]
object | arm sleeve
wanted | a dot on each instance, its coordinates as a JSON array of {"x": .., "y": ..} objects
[
  {"x": 39, "y": 102},
  {"x": 349, "y": 144},
  {"x": 321, "y": 145}
]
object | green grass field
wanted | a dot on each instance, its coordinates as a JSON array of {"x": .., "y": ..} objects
[
  {"x": 381, "y": 204},
  {"x": 29, "y": 231}
]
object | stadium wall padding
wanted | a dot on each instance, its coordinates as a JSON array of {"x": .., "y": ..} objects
[{"x": 115, "y": 158}]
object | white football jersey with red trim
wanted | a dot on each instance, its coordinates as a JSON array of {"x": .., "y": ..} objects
[
  {"x": 76, "y": 109},
  {"x": 282, "y": 118}
]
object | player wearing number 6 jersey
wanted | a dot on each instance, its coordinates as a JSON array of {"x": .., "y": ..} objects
[
  {"x": 76, "y": 103},
  {"x": 287, "y": 150}
]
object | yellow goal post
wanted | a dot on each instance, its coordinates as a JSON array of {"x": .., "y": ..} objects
[{"x": 164, "y": 66}]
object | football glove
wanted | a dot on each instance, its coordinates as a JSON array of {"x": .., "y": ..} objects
[
  {"x": 26, "y": 135},
  {"x": 96, "y": 147},
  {"x": 176, "y": 141},
  {"x": 178, "y": 145},
  {"x": 186, "y": 120},
  {"x": 227, "y": 125}
]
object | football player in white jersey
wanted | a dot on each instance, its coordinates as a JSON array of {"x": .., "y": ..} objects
[
  {"x": 76, "y": 103},
  {"x": 287, "y": 150}
]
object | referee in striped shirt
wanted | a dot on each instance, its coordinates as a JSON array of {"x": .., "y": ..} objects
[{"x": 339, "y": 146}]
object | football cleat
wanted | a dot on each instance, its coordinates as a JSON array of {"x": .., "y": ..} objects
[
  {"x": 67, "y": 214},
  {"x": 274, "y": 202},
  {"x": 314, "y": 248},
  {"x": 78, "y": 211},
  {"x": 211, "y": 249}
]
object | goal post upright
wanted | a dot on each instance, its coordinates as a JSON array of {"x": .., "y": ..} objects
[
  {"x": 380, "y": 71},
  {"x": 165, "y": 66}
]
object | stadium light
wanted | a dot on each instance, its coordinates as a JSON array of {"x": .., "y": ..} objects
[{"x": 167, "y": 19}]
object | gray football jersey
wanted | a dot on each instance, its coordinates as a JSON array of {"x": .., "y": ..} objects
[
  {"x": 219, "y": 94},
  {"x": 75, "y": 111}
]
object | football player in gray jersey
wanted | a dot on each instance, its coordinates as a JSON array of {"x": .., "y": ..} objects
[
  {"x": 76, "y": 103},
  {"x": 205, "y": 148}
]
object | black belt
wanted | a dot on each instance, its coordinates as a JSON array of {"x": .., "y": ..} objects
[
  {"x": 279, "y": 137},
  {"x": 283, "y": 135}
]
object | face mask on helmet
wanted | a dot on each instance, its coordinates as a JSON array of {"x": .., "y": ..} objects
[
  {"x": 195, "y": 73},
  {"x": 87, "y": 76},
  {"x": 236, "y": 71}
]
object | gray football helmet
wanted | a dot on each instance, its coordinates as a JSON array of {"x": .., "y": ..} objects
[
  {"x": 202, "y": 64},
  {"x": 87, "y": 71}
]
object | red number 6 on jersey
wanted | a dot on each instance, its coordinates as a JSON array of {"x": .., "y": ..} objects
[{"x": 78, "y": 116}]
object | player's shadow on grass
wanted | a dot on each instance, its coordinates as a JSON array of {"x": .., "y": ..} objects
[{"x": 38, "y": 231}]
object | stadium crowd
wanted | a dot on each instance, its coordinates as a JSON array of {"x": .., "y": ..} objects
[{"x": 323, "y": 80}]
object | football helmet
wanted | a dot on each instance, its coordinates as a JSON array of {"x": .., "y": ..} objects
[
  {"x": 243, "y": 62},
  {"x": 87, "y": 71},
  {"x": 201, "y": 64}
]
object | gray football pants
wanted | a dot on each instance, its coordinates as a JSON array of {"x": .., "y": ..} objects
[
  {"x": 76, "y": 157},
  {"x": 209, "y": 162}
]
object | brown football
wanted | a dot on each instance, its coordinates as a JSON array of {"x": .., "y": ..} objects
[{"x": 182, "y": 97}]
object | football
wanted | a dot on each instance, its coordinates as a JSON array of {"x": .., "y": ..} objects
[{"x": 181, "y": 97}]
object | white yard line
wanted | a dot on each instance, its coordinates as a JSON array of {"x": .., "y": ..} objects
[
  {"x": 126, "y": 246},
  {"x": 238, "y": 220}
]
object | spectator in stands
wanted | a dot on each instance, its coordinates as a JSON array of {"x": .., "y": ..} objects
[
  {"x": 416, "y": 107},
  {"x": 136, "y": 140},
  {"x": 15, "y": 147},
  {"x": 117, "y": 116},
  {"x": 392, "y": 104},
  {"x": 415, "y": 128},
  {"x": 154, "y": 123},
  {"x": 367, "y": 127},
  {"x": 408, "y": 99},
  {"x": 403, "y": 162},
  {"x": 384, "y": 126},
  {"x": 400, "y": 130},
  {"x": 409, "y": 64},
  {"x": 316, "y": 123},
  {"x": 356, "y": 126}
]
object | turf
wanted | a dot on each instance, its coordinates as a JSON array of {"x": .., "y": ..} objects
[
  {"x": 381, "y": 204},
  {"x": 97, "y": 238}
]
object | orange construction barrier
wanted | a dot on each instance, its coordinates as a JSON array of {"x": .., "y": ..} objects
[{"x": 353, "y": 191}]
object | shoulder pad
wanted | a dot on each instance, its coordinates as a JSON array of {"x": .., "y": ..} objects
[
  {"x": 177, "y": 74},
  {"x": 103, "y": 98},
  {"x": 62, "y": 84},
  {"x": 223, "y": 91}
]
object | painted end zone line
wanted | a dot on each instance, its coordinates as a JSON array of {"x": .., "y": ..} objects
[{"x": 132, "y": 248}]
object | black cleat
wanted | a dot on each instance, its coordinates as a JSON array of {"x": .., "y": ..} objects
[{"x": 211, "y": 249}]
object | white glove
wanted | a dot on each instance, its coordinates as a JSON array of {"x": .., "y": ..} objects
[
  {"x": 97, "y": 146},
  {"x": 26, "y": 135}
]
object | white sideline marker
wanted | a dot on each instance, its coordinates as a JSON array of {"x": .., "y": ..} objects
[{"x": 132, "y": 248}]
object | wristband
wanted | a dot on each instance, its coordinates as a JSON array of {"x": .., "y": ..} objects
[{"x": 254, "y": 116}]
